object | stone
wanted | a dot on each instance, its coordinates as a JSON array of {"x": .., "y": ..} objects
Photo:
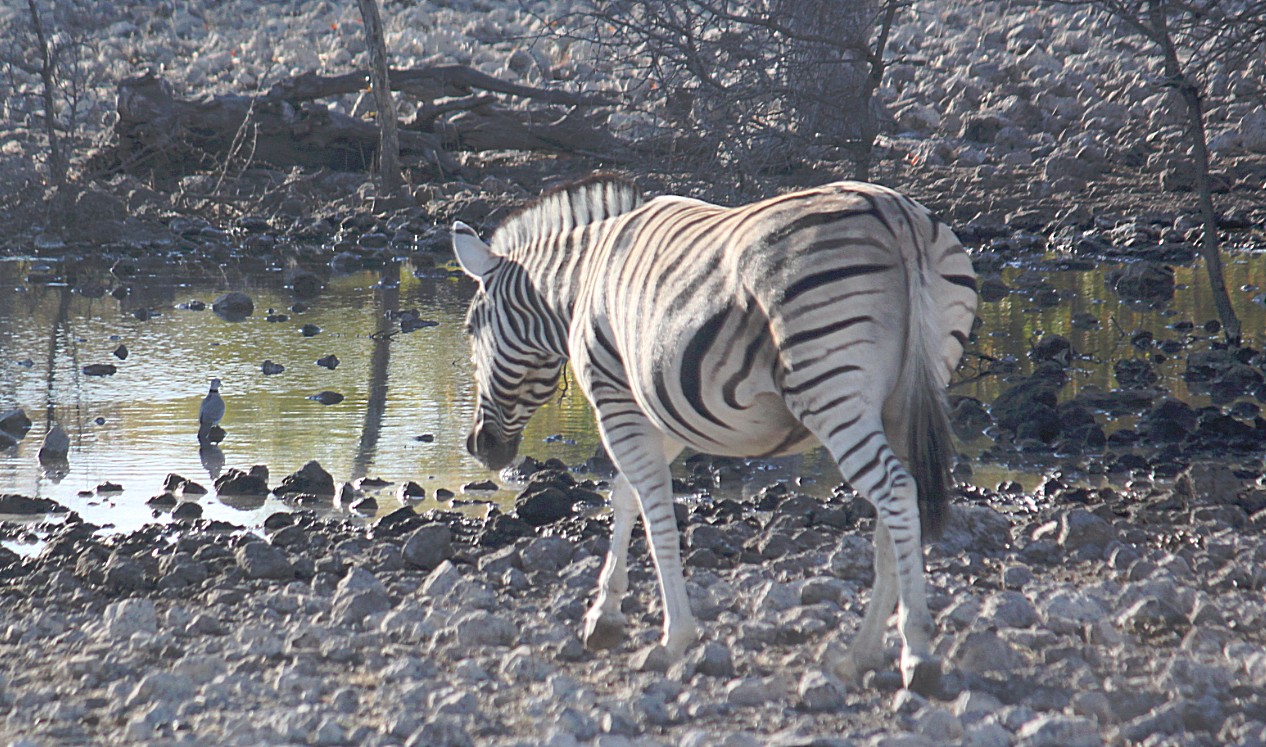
[
  {"x": 543, "y": 505},
  {"x": 1153, "y": 617},
  {"x": 311, "y": 478},
  {"x": 819, "y": 691},
  {"x": 1059, "y": 731},
  {"x": 1145, "y": 282},
  {"x": 327, "y": 397},
  {"x": 126, "y": 617},
  {"x": 13, "y": 503},
  {"x": 233, "y": 306},
  {"x": 1085, "y": 533},
  {"x": 1010, "y": 609},
  {"x": 236, "y": 482},
  {"x": 15, "y": 423},
  {"x": 261, "y": 560},
  {"x": 984, "y": 652},
  {"x": 549, "y": 554},
  {"x": 481, "y": 629},
  {"x": 428, "y": 546}
]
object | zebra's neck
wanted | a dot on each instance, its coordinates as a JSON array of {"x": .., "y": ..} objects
[{"x": 552, "y": 238}]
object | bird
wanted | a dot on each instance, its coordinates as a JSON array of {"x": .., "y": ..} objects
[{"x": 210, "y": 413}]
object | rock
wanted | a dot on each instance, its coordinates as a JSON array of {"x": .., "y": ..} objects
[
  {"x": 233, "y": 306},
  {"x": 1146, "y": 282},
  {"x": 1135, "y": 373},
  {"x": 21, "y": 505},
  {"x": 1010, "y": 609},
  {"x": 187, "y": 511},
  {"x": 481, "y": 629},
  {"x": 1084, "y": 533},
  {"x": 819, "y": 691},
  {"x": 1154, "y": 618},
  {"x": 1058, "y": 730},
  {"x": 330, "y": 361},
  {"x": 126, "y": 617},
  {"x": 983, "y": 652},
  {"x": 100, "y": 369},
  {"x": 549, "y": 554},
  {"x": 429, "y": 546},
  {"x": 358, "y": 595},
  {"x": 1170, "y": 421},
  {"x": 310, "y": 479},
  {"x": 327, "y": 397},
  {"x": 237, "y": 482},
  {"x": 15, "y": 423},
  {"x": 259, "y": 559},
  {"x": 56, "y": 447},
  {"x": 271, "y": 369},
  {"x": 309, "y": 330},
  {"x": 539, "y": 505}
]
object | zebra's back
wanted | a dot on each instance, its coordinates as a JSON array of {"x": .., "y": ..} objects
[{"x": 717, "y": 314}]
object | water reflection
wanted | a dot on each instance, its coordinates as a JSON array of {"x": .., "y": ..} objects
[{"x": 407, "y": 395}]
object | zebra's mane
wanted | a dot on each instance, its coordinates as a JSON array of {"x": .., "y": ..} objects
[{"x": 565, "y": 207}]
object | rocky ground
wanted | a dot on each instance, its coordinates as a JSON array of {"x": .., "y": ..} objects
[
  {"x": 1122, "y": 614},
  {"x": 1072, "y": 617}
]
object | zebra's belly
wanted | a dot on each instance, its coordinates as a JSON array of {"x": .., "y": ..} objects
[{"x": 762, "y": 427}]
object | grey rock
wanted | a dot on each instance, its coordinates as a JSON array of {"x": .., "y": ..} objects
[
  {"x": 261, "y": 560},
  {"x": 428, "y": 546},
  {"x": 548, "y": 554},
  {"x": 311, "y": 478},
  {"x": 233, "y": 306},
  {"x": 938, "y": 724},
  {"x": 819, "y": 691},
  {"x": 127, "y": 617},
  {"x": 1010, "y": 609},
  {"x": 1085, "y": 533},
  {"x": 442, "y": 581},
  {"x": 984, "y": 652},
  {"x": 480, "y": 629},
  {"x": 1154, "y": 618},
  {"x": 1059, "y": 731},
  {"x": 441, "y": 731}
]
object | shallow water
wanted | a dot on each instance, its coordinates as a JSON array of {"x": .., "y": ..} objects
[{"x": 135, "y": 427}]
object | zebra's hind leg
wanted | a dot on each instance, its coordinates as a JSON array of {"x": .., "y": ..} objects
[
  {"x": 865, "y": 654},
  {"x": 868, "y": 463},
  {"x": 604, "y": 623}
]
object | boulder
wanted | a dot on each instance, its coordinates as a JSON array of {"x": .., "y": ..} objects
[
  {"x": 310, "y": 478},
  {"x": 233, "y": 306}
]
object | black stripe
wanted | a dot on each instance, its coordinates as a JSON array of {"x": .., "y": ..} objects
[
  {"x": 819, "y": 332},
  {"x": 692, "y": 364},
  {"x": 665, "y": 401},
  {"x": 819, "y": 219},
  {"x": 826, "y": 277},
  {"x": 730, "y": 388},
  {"x": 967, "y": 281},
  {"x": 816, "y": 380}
]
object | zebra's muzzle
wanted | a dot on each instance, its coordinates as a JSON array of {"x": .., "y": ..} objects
[{"x": 491, "y": 451}]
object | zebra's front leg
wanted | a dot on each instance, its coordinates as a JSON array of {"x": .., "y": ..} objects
[
  {"x": 605, "y": 622},
  {"x": 642, "y": 455}
]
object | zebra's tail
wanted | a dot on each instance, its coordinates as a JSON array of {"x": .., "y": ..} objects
[{"x": 928, "y": 444}]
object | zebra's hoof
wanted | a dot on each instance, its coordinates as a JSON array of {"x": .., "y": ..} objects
[
  {"x": 603, "y": 631},
  {"x": 921, "y": 674}
]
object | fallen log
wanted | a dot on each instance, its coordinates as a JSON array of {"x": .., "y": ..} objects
[
  {"x": 164, "y": 136},
  {"x": 159, "y": 134}
]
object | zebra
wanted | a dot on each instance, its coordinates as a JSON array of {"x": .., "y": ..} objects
[{"x": 831, "y": 315}]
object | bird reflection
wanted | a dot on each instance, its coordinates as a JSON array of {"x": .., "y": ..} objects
[{"x": 212, "y": 459}]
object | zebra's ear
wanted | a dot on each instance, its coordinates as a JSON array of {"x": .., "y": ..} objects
[{"x": 475, "y": 257}]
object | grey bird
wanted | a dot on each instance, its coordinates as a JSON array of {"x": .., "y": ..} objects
[{"x": 210, "y": 413}]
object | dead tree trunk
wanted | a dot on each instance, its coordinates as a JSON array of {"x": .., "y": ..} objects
[
  {"x": 1209, "y": 245},
  {"x": 56, "y": 161},
  {"x": 388, "y": 140}
]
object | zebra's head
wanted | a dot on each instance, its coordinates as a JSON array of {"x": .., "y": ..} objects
[{"x": 516, "y": 371}]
